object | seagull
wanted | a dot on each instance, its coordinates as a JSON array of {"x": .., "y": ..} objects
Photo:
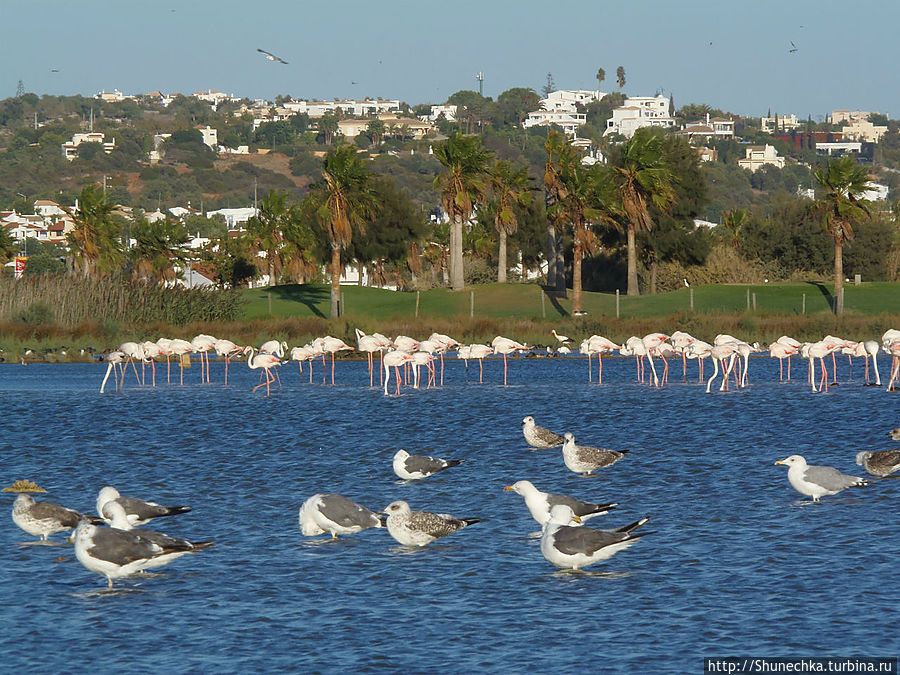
[
  {"x": 584, "y": 459},
  {"x": 138, "y": 511},
  {"x": 336, "y": 514},
  {"x": 541, "y": 503},
  {"x": 686, "y": 284},
  {"x": 879, "y": 462},
  {"x": 413, "y": 467},
  {"x": 576, "y": 547},
  {"x": 177, "y": 546},
  {"x": 895, "y": 434},
  {"x": 419, "y": 528},
  {"x": 271, "y": 57},
  {"x": 817, "y": 481},
  {"x": 116, "y": 553},
  {"x": 793, "y": 48},
  {"x": 539, "y": 437},
  {"x": 44, "y": 518}
]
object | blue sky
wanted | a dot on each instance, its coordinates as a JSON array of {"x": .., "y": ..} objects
[{"x": 729, "y": 55}]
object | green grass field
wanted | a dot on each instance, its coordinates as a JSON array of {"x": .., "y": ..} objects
[{"x": 524, "y": 301}]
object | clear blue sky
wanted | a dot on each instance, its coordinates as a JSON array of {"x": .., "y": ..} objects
[{"x": 729, "y": 55}]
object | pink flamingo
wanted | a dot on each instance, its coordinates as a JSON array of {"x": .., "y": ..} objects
[
  {"x": 165, "y": 349},
  {"x": 180, "y": 348},
  {"x": 228, "y": 350},
  {"x": 634, "y": 346},
  {"x": 394, "y": 359},
  {"x": 680, "y": 342},
  {"x": 780, "y": 351},
  {"x": 330, "y": 345},
  {"x": 502, "y": 345},
  {"x": 203, "y": 344},
  {"x": 652, "y": 341},
  {"x": 266, "y": 362},
  {"x": 599, "y": 345},
  {"x": 718, "y": 354},
  {"x": 132, "y": 351},
  {"x": 113, "y": 359},
  {"x": 152, "y": 352},
  {"x": 446, "y": 343},
  {"x": 376, "y": 342},
  {"x": 301, "y": 354},
  {"x": 701, "y": 351}
]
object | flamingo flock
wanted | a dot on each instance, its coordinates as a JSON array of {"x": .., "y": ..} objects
[{"x": 419, "y": 363}]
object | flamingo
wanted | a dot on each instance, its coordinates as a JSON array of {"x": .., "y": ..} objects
[
  {"x": 395, "y": 358},
  {"x": 165, "y": 348},
  {"x": 274, "y": 347},
  {"x": 699, "y": 350},
  {"x": 301, "y": 354},
  {"x": 634, "y": 346},
  {"x": 406, "y": 344},
  {"x": 664, "y": 351},
  {"x": 893, "y": 348},
  {"x": 447, "y": 343},
  {"x": 652, "y": 341},
  {"x": 680, "y": 342},
  {"x": 331, "y": 345},
  {"x": 781, "y": 351},
  {"x": 475, "y": 351},
  {"x": 422, "y": 358},
  {"x": 113, "y": 359},
  {"x": 179, "y": 348},
  {"x": 132, "y": 351},
  {"x": 502, "y": 345},
  {"x": 599, "y": 345},
  {"x": 202, "y": 345},
  {"x": 152, "y": 351},
  {"x": 228, "y": 350},
  {"x": 870, "y": 347},
  {"x": 819, "y": 350},
  {"x": 266, "y": 362},
  {"x": 368, "y": 344},
  {"x": 718, "y": 354}
]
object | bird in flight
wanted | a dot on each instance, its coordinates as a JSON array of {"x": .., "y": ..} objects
[
  {"x": 793, "y": 48},
  {"x": 271, "y": 57}
]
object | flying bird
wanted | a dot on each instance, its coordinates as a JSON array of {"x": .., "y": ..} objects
[
  {"x": 271, "y": 57},
  {"x": 793, "y": 48}
]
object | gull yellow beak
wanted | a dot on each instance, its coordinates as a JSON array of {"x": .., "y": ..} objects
[
  {"x": 508, "y": 488},
  {"x": 781, "y": 462},
  {"x": 576, "y": 519}
]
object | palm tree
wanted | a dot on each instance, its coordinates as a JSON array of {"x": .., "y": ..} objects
[
  {"x": 265, "y": 232},
  {"x": 587, "y": 197},
  {"x": 346, "y": 199},
  {"x": 463, "y": 186},
  {"x": 511, "y": 189},
  {"x": 844, "y": 182},
  {"x": 92, "y": 242},
  {"x": 159, "y": 246},
  {"x": 734, "y": 221},
  {"x": 559, "y": 153},
  {"x": 601, "y": 75},
  {"x": 644, "y": 181}
]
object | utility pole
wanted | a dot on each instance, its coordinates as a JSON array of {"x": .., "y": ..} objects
[{"x": 480, "y": 77}]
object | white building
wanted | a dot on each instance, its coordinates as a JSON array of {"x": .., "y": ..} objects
[
  {"x": 771, "y": 125},
  {"x": 849, "y": 116},
  {"x": 355, "y": 108},
  {"x": 758, "y": 156},
  {"x": 47, "y": 208},
  {"x": 568, "y": 100},
  {"x": 640, "y": 111},
  {"x": 210, "y": 136},
  {"x": 448, "y": 111},
  {"x": 214, "y": 98},
  {"x": 234, "y": 217},
  {"x": 70, "y": 148},
  {"x": 876, "y": 192},
  {"x": 567, "y": 121}
]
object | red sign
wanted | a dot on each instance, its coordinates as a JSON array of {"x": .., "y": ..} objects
[{"x": 20, "y": 266}]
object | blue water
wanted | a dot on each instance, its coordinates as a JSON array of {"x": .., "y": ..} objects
[{"x": 736, "y": 563}]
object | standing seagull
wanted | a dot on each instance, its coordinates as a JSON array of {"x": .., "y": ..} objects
[
  {"x": 584, "y": 460},
  {"x": 44, "y": 518},
  {"x": 419, "y": 528},
  {"x": 539, "y": 437},
  {"x": 335, "y": 514},
  {"x": 570, "y": 547},
  {"x": 176, "y": 546},
  {"x": 817, "y": 481},
  {"x": 879, "y": 462},
  {"x": 137, "y": 511},
  {"x": 540, "y": 503},
  {"x": 271, "y": 57},
  {"x": 414, "y": 467}
]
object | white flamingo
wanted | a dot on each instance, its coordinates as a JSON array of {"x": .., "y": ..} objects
[
  {"x": 502, "y": 345},
  {"x": 266, "y": 362},
  {"x": 447, "y": 343},
  {"x": 719, "y": 354},
  {"x": 652, "y": 341},
  {"x": 781, "y": 351},
  {"x": 228, "y": 350},
  {"x": 203, "y": 344},
  {"x": 331, "y": 345},
  {"x": 133, "y": 352},
  {"x": 179, "y": 348},
  {"x": 114, "y": 359},
  {"x": 301, "y": 354},
  {"x": 394, "y": 359}
]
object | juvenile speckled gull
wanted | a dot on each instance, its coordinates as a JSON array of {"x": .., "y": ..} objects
[
  {"x": 116, "y": 553},
  {"x": 419, "y": 528},
  {"x": 879, "y": 462},
  {"x": 576, "y": 547},
  {"x": 817, "y": 481},
  {"x": 539, "y": 437},
  {"x": 138, "y": 511},
  {"x": 335, "y": 514},
  {"x": 44, "y": 518},
  {"x": 540, "y": 503},
  {"x": 414, "y": 467},
  {"x": 584, "y": 459}
]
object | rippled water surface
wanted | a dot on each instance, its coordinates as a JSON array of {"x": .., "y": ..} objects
[{"x": 736, "y": 563}]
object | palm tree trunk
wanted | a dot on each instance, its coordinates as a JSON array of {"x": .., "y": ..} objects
[
  {"x": 576, "y": 277},
  {"x": 838, "y": 276},
  {"x": 501, "y": 259},
  {"x": 632, "y": 263},
  {"x": 335, "y": 280},
  {"x": 551, "y": 255},
  {"x": 457, "y": 277}
]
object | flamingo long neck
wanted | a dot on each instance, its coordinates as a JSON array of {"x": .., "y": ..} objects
[{"x": 250, "y": 359}]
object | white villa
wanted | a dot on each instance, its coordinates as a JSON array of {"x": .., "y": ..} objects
[
  {"x": 758, "y": 156},
  {"x": 568, "y": 121},
  {"x": 864, "y": 131},
  {"x": 210, "y": 136},
  {"x": 561, "y": 108},
  {"x": 448, "y": 111},
  {"x": 234, "y": 217},
  {"x": 771, "y": 125},
  {"x": 848, "y": 116},
  {"x": 568, "y": 99},
  {"x": 351, "y": 128},
  {"x": 876, "y": 192},
  {"x": 716, "y": 127},
  {"x": 70, "y": 148},
  {"x": 356, "y": 108},
  {"x": 640, "y": 111}
]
